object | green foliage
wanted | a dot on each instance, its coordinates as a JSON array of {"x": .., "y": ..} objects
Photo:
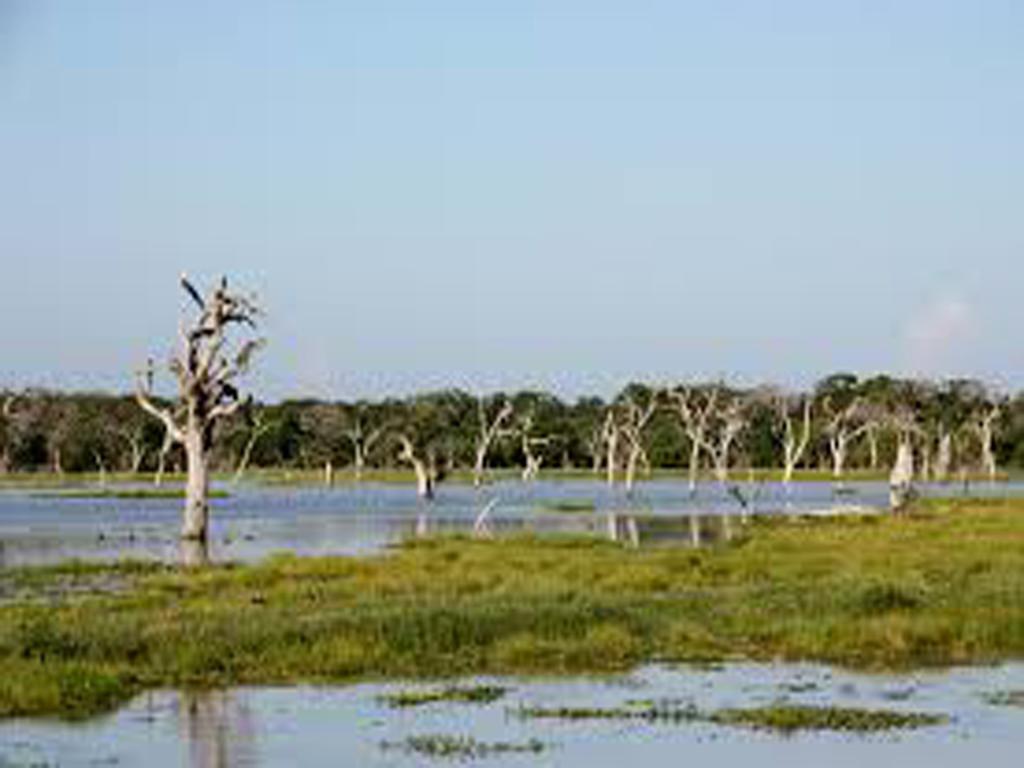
[{"x": 89, "y": 432}]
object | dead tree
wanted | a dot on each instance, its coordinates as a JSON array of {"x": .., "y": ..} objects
[
  {"x": 528, "y": 442},
  {"x": 794, "y": 439},
  {"x": 842, "y": 428},
  {"x": 901, "y": 478},
  {"x": 695, "y": 408},
  {"x": 134, "y": 436},
  {"x": 610, "y": 435},
  {"x": 424, "y": 466},
  {"x": 634, "y": 419},
  {"x": 363, "y": 438},
  {"x": 718, "y": 440},
  {"x": 258, "y": 427},
  {"x": 943, "y": 455},
  {"x": 983, "y": 426},
  {"x": 206, "y": 371},
  {"x": 490, "y": 428}
]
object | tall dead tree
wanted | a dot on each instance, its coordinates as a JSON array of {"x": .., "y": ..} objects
[
  {"x": 363, "y": 438},
  {"x": 901, "y": 478},
  {"x": 719, "y": 437},
  {"x": 490, "y": 428},
  {"x": 206, "y": 367},
  {"x": 610, "y": 436},
  {"x": 983, "y": 426},
  {"x": 422, "y": 466},
  {"x": 528, "y": 442},
  {"x": 695, "y": 407},
  {"x": 843, "y": 426},
  {"x": 634, "y": 418},
  {"x": 794, "y": 438},
  {"x": 257, "y": 426}
]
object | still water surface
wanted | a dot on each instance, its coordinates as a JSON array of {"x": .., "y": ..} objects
[
  {"x": 334, "y": 726},
  {"x": 254, "y": 522}
]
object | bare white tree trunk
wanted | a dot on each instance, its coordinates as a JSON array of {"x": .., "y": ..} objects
[
  {"x": 206, "y": 374},
  {"x": 531, "y": 461},
  {"x": 902, "y": 476},
  {"x": 719, "y": 443},
  {"x": 794, "y": 444},
  {"x": 985, "y": 428},
  {"x": 944, "y": 456},
  {"x": 424, "y": 475},
  {"x": 259, "y": 429},
  {"x": 695, "y": 410},
  {"x": 490, "y": 430},
  {"x": 611, "y": 434},
  {"x": 197, "y": 487},
  {"x": 871, "y": 430}
]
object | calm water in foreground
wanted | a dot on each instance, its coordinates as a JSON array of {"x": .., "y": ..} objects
[{"x": 349, "y": 725}]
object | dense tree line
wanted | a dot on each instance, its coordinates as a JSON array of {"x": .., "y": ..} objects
[{"x": 843, "y": 423}]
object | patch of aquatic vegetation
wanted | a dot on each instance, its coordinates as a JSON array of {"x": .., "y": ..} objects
[
  {"x": 781, "y": 718},
  {"x": 646, "y": 711},
  {"x": 569, "y": 506},
  {"x": 792, "y": 718},
  {"x": 461, "y": 747},
  {"x": 474, "y": 694},
  {"x": 1005, "y": 698},
  {"x": 942, "y": 587}
]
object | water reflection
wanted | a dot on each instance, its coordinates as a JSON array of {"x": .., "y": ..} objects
[
  {"x": 254, "y": 522},
  {"x": 330, "y": 726},
  {"x": 219, "y": 729}
]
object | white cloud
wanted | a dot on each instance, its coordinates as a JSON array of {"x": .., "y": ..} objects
[{"x": 937, "y": 336}]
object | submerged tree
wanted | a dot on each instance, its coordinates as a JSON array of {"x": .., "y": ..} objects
[
  {"x": 695, "y": 407},
  {"x": 206, "y": 367}
]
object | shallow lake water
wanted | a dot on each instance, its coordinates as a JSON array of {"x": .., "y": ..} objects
[
  {"x": 253, "y": 522},
  {"x": 331, "y": 726}
]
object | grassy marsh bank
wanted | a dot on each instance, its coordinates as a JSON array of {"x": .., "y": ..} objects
[{"x": 943, "y": 586}]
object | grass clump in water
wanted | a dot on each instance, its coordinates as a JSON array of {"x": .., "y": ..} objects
[
  {"x": 1005, "y": 699},
  {"x": 792, "y": 718},
  {"x": 461, "y": 747},
  {"x": 778, "y": 718},
  {"x": 651, "y": 712},
  {"x": 475, "y": 694},
  {"x": 569, "y": 506}
]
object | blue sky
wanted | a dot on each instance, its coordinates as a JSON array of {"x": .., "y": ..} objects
[{"x": 505, "y": 194}]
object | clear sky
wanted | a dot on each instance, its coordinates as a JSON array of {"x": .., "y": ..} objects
[{"x": 506, "y": 194}]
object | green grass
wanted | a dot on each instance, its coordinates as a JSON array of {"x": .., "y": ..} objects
[{"x": 943, "y": 586}]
